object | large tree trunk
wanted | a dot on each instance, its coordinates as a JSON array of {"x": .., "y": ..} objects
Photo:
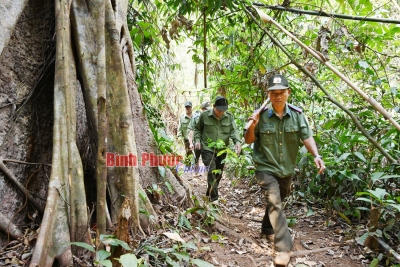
[
  {"x": 26, "y": 113},
  {"x": 64, "y": 59}
]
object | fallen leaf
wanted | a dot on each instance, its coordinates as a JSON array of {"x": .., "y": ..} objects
[
  {"x": 310, "y": 263},
  {"x": 330, "y": 252},
  {"x": 174, "y": 236},
  {"x": 206, "y": 240},
  {"x": 338, "y": 256},
  {"x": 215, "y": 261},
  {"x": 304, "y": 244}
]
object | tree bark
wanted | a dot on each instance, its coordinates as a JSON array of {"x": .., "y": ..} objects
[
  {"x": 8, "y": 227},
  {"x": 25, "y": 121},
  {"x": 65, "y": 205},
  {"x": 96, "y": 109},
  {"x": 10, "y": 11}
]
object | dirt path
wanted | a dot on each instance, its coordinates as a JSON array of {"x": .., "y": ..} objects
[
  {"x": 239, "y": 243},
  {"x": 234, "y": 241}
]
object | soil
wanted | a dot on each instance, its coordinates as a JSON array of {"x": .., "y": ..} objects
[{"x": 319, "y": 239}]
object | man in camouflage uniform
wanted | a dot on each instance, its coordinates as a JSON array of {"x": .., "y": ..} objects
[
  {"x": 217, "y": 123},
  {"x": 278, "y": 132},
  {"x": 197, "y": 152},
  {"x": 183, "y": 131}
]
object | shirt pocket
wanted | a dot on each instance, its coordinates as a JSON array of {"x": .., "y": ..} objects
[
  {"x": 209, "y": 128},
  {"x": 226, "y": 128},
  {"x": 293, "y": 133},
  {"x": 267, "y": 136}
]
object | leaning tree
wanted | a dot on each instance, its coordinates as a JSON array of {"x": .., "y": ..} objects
[{"x": 67, "y": 97}]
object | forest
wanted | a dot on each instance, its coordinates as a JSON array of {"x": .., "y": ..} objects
[{"x": 91, "y": 94}]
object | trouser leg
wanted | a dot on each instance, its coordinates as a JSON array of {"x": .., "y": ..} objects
[
  {"x": 274, "y": 221},
  {"x": 187, "y": 148},
  {"x": 214, "y": 163},
  {"x": 284, "y": 189},
  {"x": 197, "y": 154}
]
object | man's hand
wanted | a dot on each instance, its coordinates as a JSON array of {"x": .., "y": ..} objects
[
  {"x": 238, "y": 148},
  {"x": 197, "y": 146},
  {"x": 191, "y": 146},
  {"x": 320, "y": 165},
  {"x": 255, "y": 118}
]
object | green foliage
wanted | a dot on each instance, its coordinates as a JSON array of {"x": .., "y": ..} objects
[
  {"x": 155, "y": 189},
  {"x": 184, "y": 222},
  {"x": 217, "y": 145},
  {"x": 208, "y": 212},
  {"x": 236, "y": 165},
  {"x": 177, "y": 255},
  {"x": 83, "y": 245},
  {"x": 381, "y": 199},
  {"x": 241, "y": 58},
  {"x": 165, "y": 144},
  {"x": 110, "y": 241},
  {"x": 291, "y": 221}
]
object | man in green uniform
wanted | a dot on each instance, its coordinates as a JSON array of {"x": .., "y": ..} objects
[
  {"x": 278, "y": 132},
  {"x": 197, "y": 152},
  {"x": 217, "y": 123},
  {"x": 184, "y": 121}
]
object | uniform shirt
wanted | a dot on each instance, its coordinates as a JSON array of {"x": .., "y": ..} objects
[
  {"x": 183, "y": 126},
  {"x": 277, "y": 141},
  {"x": 208, "y": 126},
  {"x": 194, "y": 120}
]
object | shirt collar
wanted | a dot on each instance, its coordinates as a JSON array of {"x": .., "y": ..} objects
[
  {"x": 211, "y": 113},
  {"x": 271, "y": 111}
]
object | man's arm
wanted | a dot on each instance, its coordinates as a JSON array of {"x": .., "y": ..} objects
[
  {"x": 197, "y": 131},
  {"x": 249, "y": 135},
  {"x": 234, "y": 135},
  {"x": 180, "y": 129},
  {"x": 190, "y": 137},
  {"x": 192, "y": 125},
  {"x": 312, "y": 148}
]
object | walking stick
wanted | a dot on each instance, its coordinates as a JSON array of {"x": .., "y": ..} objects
[
  {"x": 258, "y": 111},
  {"x": 265, "y": 18}
]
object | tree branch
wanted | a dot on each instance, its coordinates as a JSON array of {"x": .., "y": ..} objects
[
  {"x": 20, "y": 187},
  {"x": 24, "y": 162},
  {"x": 330, "y": 98},
  {"x": 8, "y": 227},
  {"x": 325, "y": 14}
]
